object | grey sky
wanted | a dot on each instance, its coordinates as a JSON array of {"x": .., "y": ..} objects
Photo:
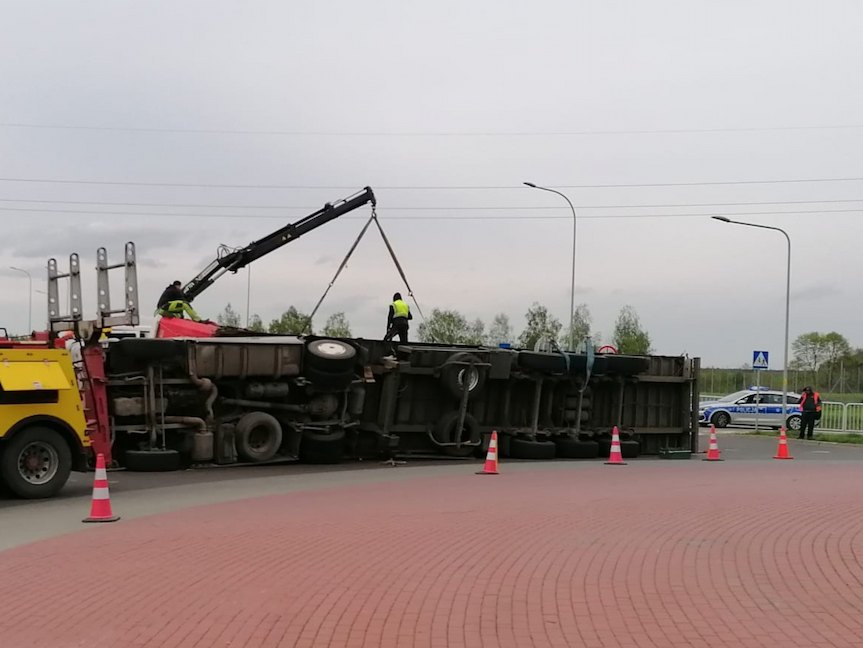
[{"x": 450, "y": 94}]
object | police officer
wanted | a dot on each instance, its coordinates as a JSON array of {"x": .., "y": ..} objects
[
  {"x": 397, "y": 319},
  {"x": 810, "y": 408},
  {"x": 173, "y": 303}
]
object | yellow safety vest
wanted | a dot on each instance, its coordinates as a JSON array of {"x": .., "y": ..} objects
[{"x": 400, "y": 309}]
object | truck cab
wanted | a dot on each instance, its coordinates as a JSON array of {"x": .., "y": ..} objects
[{"x": 43, "y": 430}]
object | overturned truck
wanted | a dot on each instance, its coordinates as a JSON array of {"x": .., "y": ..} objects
[{"x": 255, "y": 399}]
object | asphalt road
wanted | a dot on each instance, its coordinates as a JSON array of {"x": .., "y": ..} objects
[{"x": 139, "y": 494}]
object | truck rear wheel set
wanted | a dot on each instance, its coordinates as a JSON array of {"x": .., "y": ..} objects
[{"x": 35, "y": 463}]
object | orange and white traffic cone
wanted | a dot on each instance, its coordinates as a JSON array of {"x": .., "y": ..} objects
[
  {"x": 615, "y": 457},
  {"x": 490, "y": 467},
  {"x": 713, "y": 448},
  {"x": 782, "y": 450},
  {"x": 100, "y": 508}
]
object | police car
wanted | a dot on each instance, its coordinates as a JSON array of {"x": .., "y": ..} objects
[{"x": 741, "y": 408}]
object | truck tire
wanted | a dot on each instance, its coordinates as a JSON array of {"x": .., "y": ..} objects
[
  {"x": 331, "y": 356},
  {"x": 327, "y": 381},
  {"x": 316, "y": 451},
  {"x": 570, "y": 415},
  {"x": 258, "y": 436},
  {"x": 570, "y": 448},
  {"x": 528, "y": 449},
  {"x": 151, "y": 460},
  {"x": 35, "y": 463},
  {"x": 454, "y": 375},
  {"x": 445, "y": 432},
  {"x": 572, "y": 403}
]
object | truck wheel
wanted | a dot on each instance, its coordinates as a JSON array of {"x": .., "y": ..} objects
[
  {"x": 325, "y": 380},
  {"x": 332, "y": 356},
  {"x": 35, "y": 463},
  {"x": 454, "y": 375},
  {"x": 445, "y": 432},
  {"x": 315, "y": 451},
  {"x": 570, "y": 448},
  {"x": 151, "y": 460},
  {"x": 629, "y": 449},
  {"x": 527, "y": 449},
  {"x": 258, "y": 436}
]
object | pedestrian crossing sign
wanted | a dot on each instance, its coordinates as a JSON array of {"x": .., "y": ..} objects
[{"x": 759, "y": 359}]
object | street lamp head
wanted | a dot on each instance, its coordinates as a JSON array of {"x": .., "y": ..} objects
[
  {"x": 530, "y": 184},
  {"x": 724, "y": 219}
]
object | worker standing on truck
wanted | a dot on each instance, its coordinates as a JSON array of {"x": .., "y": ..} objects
[
  {"x": 810, "y": 408},
  {"x": 173, "y": 303},
  {"x": 397, "y": 319}
]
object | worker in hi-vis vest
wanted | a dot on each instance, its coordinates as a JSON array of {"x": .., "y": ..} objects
[
  {"x": 397, "y": 319},
  {"x": 173, "y": 303}
]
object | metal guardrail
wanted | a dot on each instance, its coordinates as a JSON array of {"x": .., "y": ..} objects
[{"x": 842, "y": 417}]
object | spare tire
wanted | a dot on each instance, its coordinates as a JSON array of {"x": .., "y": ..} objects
[
  {"x": 332, "y": 356},
  {"x": 445, "y": 432},
  {"x": 529, "y": 449},
  {"x": 258, "y": 436},
  {"x": 571, "y": 448},
  {"x": 454, "y": 374}
]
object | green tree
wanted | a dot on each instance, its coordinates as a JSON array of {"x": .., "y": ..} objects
[
  {"x": 475, "y": 333},
  {"x": 291, "y": 322},
  {"x": 580, "y": 331},
  {"x": 229, "y": 317},
  {"x": 255, "y": 324},
  {"x": 337, "y": 326},
  {"x": 539, "y": 324},
  {"x": 499, "y": 331},
  {"x": 448, "y": 327},
  {"x": 629, "y": 336},
  {"x": 810, "y": 351}
]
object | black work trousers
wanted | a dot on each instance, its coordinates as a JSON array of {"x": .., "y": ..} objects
[
  {"x": 398, "y": 327},
  {"x": 807, "y": 424}
]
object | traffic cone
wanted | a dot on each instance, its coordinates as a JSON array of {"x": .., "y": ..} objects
[
  {"x": 100, "y": 508},
  {"x": 713, "y": 448},
  {"x": 782, "y": 450},
  {"x": 490, "y": 467},
  {"x": 615, "y": 458}
]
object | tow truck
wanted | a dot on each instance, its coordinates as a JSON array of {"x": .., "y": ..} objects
[{"x": 198, "y": 394}]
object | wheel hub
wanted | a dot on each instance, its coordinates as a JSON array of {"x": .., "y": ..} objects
[{"x": 38, "y": 463}]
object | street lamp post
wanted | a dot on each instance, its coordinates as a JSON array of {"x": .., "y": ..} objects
[
  {"x": 572, "y": 286},
  {"x": 725, "y": 219},
  {"x": 29, "y": 298}
]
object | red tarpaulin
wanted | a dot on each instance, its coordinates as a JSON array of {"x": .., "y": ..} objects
[{"x": 173, "y": 327}]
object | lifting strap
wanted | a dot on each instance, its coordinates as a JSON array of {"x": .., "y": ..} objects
[
  {"x": 396, "y": 261},
  {"x": 373, "y": 217}
]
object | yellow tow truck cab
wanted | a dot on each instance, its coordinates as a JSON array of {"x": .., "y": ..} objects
[{"x": 43, "y": 428}]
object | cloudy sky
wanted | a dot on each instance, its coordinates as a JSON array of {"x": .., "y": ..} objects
[{"x": 183, "y": 125}]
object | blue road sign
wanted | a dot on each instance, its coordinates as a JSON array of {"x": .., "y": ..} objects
[{"x": 760, "y": 359}]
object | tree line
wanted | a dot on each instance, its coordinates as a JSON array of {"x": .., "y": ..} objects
[{"x": 448, "y": 326}]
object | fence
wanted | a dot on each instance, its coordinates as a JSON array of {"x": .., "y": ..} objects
[{"x": 835, "y": 416}]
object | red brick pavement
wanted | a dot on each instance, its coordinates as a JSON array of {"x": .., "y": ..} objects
[{"x": 654, "y": 554}]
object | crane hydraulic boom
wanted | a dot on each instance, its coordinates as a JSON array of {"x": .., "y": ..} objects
[{"x": 237, "y": 259}]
